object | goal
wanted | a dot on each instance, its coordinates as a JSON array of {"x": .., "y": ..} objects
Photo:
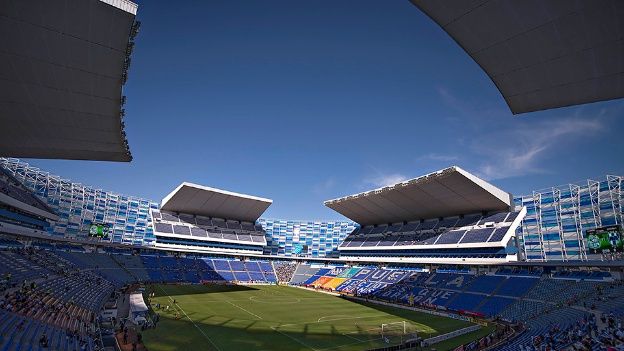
[{"x": 398, "y": 332}]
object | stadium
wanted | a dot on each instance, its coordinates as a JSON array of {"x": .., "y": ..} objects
[{"x": 445, "y": 260}]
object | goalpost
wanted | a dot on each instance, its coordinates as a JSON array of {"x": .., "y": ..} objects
[{"x": 398, "y": 332}]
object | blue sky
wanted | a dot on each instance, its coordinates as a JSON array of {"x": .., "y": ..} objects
[{"x": 306, "y": 101}]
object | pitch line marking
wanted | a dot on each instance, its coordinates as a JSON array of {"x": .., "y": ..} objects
[
  {"x": 322, "y": 319},
  {"x": 251, "y": 313},
  {"x": 277, "y": 301},
  {"x": 331, "y": 320},
  {"x": 189, "y": 318}
]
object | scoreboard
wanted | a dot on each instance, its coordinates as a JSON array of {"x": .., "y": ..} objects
[
  {"x": 605, "y": 239},
  {"x": 99, "y": 230}
]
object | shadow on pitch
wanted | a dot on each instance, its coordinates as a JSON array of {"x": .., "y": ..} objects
[
  {"x": 174, "y": 290},
  {"x": 234, "y": 335}
]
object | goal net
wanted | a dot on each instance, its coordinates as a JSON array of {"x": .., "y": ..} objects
[{"x": 398, "y": 332}]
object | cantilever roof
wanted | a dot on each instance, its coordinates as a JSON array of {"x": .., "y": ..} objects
[
  {"x": 448, "y": 192},
  {"x": 540, "y": 54},
  {"x": 62, "y": 65},
  {"x": 200, "y": 200}
]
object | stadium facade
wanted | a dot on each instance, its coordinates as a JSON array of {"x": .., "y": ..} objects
[
  {"x": 557, "y": 218},
  {"x": 307, "y": 238},
  {"x": 79, "y": 206},
  {"x": 553, "y": 229}
]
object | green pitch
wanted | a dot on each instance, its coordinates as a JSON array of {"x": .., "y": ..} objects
[{"x": 229, "y": 318}]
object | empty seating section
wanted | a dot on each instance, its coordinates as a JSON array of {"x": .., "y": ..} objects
[
  {"x": 486, "y": 284},
  {"x": 330, "y": 278},
  {"x": 20, "y": 333},
  {"x": 582, "y": 274},
  {"x": 217, "y": 222},
  {"x": 196, "y": 270},
  {"x": 302, "y": 273},
  {"x": 516, "y": 286},
  {"x": 320, "y": 281},
  {"x": 199, "y": 232},
  {"x": 523, "y": 310},
  {"x": 496, "y": 218},
  {"x": 378, "y": 230},
  {"x": 428, "y": 225},
  {"x": 394, "y": 228},
  {"x": 562, "y": 318},
  {"x": 181, "y": 230},
  {"x": 433, "y": 232},
  {"x": 608, "y": 297},
  {"x": 555, "y": 289},
  {"x": 15, "y": 268},
  {"x": 468, "y": 220},
  {"x": 202, "y": 227},
  {"x": 448, "y": 223},
  {"x": 65, "y": 297},
  {"x": 10, "y": 243},
  {"x": 480, "y": 235},
  {"x": 520, "y": 271},
  {"x": 85, "y": 289},
  {"x": 236, "y": 266},
  {"x": 467, "y": 302},
  {"x": 410, "y": 227},
  {"x": 318, "y": 274},
  {"x": 104, "y": 263},
  {"x": 450, "y": 237},
  {"x": 163, "y": 227},
  {"x": 333, "y": 283},
  {"x": 494, "y": 305},
  {"x": 498, "y": 234}
]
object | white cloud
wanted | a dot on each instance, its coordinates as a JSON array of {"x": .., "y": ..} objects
[
  {"x": 517, "y": 151},
  {"x": 382, "y": 180},
  {"x": 502, "y": 146},
  {"x": 438, "y": 157}
]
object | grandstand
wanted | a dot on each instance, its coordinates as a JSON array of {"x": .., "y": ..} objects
[
  {"x": 533, "y": 296},
  {"x": 447, "y": 216},
  {"x": 210, "y": 220},
  {"x": 457, "y": 256}
]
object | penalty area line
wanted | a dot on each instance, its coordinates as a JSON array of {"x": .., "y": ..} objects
[{"x": 321, "y": 320}]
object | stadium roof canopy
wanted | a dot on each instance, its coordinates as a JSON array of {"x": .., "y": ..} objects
[
  {"x": 200, "y": 200},
  {"x": 540, "y": 54},
  {"x": 448, "y": 192},
  {"x": 62, "y": 67}
]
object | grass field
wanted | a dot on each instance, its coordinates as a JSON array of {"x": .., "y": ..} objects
[{"x": 225, "y": 318}]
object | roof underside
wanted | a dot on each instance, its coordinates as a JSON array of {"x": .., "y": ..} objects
[
  {"x": 61, "y": 67},
  {"x": 448, "y": 192},
  {"x": 199, "y": 200},
  {"x": 541, "y": 54}
]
